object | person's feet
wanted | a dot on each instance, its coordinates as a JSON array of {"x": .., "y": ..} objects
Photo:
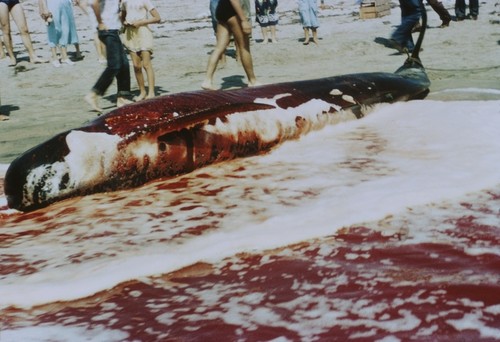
[
  {"x": 140, "y": 97},
  {"x": 3, "y": 117},
  {"x": 56, "y": 63},
  {"x": 254, "y": 84},
  {"x": 121, "y": 101},
  {"x": 207, "y": 85},
  {"x": 37, "y": 60},
  {"x": 67, "y": 61},
  {"x": 445, "y": 23},
  {"x": 91, "y": 98},
  {"x": 13, "y": 62}
]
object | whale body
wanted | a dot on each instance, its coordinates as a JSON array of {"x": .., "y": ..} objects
[{"x": 175, "y": 134}]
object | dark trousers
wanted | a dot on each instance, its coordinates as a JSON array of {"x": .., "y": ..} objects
[
  {"x": 117, "y": 65},
  {"x": 410, "y": 15},
  {"x": 438, "y": 7},
  {"x": 460, "y": 8}
]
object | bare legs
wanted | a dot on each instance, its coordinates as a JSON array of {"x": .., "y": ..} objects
[
  {"x": 272, "y": 30},
  {"x": 64, "y": 57},
  {"x": 2, "y": 52},
  {"x": 143, "y": 60},
  {"x": 314, "y": 33},
  {"x": 242, "y": 42},
  {"x": 20, "y": 20}
]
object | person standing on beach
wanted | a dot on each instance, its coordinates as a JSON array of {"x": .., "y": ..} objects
[
  {"x": 308, "y": 10},
  {"x": 460, "y": 9},
  {"x": 14, "y": 8},
  {"x": 138, "y": 39},
  {"x": 401, "y": 38},
  {"x": 265, "y": 12},
  {"x": 107, "y": 14},
  {"x": 61, "y": 28},
  {"x": 231, "y": 19}
]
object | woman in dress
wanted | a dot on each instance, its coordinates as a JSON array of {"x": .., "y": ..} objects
[
  {"x": 308, "y": 10},
  {"x": 138, "y": 39},
  {"x": 231, "y": 20},
  {"x": 61, "y": 28},
  {"x": 265, "y": 11}
]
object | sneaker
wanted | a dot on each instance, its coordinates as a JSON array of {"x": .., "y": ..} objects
[{"x": 56, "y": 63}]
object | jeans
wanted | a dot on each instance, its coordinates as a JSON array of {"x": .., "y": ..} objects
[
  {"x": 410, "y": 15},
  {"x": 117, "y": 65},
  {"x": 460, "y": 8}
]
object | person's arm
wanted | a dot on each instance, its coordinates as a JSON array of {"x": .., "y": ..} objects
[
  {"x": 96, "y": 7},
  {"x": 245, "y": 23},
  {"x": 153, "y": 19},
  {"x": 43, "y": 9}
]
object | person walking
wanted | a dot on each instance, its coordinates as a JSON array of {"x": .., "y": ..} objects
[
  {"x": 460, "y": 9},
  {"x": 401, "y": 38},
  {"x": 14, "y": 8},
  {"x": 265, "y": 12},
  {"x": 108, "y": 27},
  {"x": 308, "y": 10},
  {"x": 231, "y": 20},
  {"x": 138, "y": 39}
]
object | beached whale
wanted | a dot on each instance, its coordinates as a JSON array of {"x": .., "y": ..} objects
[{"x": 175, "y": 134}]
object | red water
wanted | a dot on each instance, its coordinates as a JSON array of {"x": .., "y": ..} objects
[{"x": 359, "y": 284}]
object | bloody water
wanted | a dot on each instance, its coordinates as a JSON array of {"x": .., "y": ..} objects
[{"x": 387, "y": 229}]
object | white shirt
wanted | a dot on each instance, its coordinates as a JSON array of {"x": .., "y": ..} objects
[{"x": 110, "y": 13}]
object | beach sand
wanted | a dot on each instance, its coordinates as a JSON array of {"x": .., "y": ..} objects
[{"x": 40, "y": 100}]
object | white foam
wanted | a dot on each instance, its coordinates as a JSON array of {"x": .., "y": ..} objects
[{"x": 402, "y": 156}]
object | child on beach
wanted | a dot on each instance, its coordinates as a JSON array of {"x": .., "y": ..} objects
[
  {"x": 308, "y": 10},
  {"x": 138, "y": 39},
  {"x": 265, "y": 11},
  {"x": 61, "y": 28}
]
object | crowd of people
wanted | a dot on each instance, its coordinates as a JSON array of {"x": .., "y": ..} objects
[{"x": 127, "y": 30}]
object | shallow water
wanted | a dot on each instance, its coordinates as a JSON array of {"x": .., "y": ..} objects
[{"x": 386, "y": 227}]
